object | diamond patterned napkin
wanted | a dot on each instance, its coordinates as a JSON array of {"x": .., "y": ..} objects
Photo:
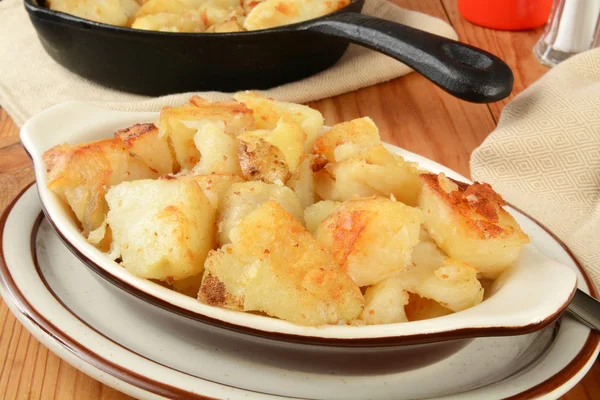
[
  {"x": 544, "y": 156},
  {"x": 24, "y": 91}
]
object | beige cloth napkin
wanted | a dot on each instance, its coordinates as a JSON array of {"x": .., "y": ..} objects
[
  {"x": 30, "y": 81},
  {"x": 544, "y": 156}
]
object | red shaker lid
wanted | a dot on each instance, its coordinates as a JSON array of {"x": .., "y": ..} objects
[{"x": 506, "y": 14}]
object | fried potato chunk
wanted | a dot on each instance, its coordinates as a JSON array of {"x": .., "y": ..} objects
[
  {"x": 420, "y": 308},
  {"x": 371, "y": 238},
  {"x": 151, "y": 7},
  {"x": 451, "y": 283},
  {"x": 242, "y": 198},
  {"x": 225, "y": 278},
  {"x": 290, "y": 138},
  {"x": 261, "y": 161},
  {"x": 163, "y": 229},
  {"x": 218, "y": 150},
  {"x": 316, "y": 213},
  {"x": 469, "y": 224},
  {"x": 113, "y": 12},
  {"x": 385, "y": 303},
  {"x": 188, "y": 21},
  {"x": 367, "y": 172},
  {"x": 302, "y": 182},
  {"x": 81, "y": 175},
  {"x": 231, "y": 25},
  {"x": 218, "y": 16},
  {"x": 180, "y": 124},
  {"x": 272, "y": 156},
  {"x": 268, "y": 112},
  {"x": 188, "y": 286},
  {"x": 272, "y": 13},
  {"x": 250, "y": 4},
  {"x": 215, "y": 186},
  {"x": 275, "y": 266},
  {"x": 361, "y": 132},
  {"x": 143, "y": 141},
  {"x": 454, "y": 285}
]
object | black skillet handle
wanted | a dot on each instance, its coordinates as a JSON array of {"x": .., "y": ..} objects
[{"x": 464, "y": 71}]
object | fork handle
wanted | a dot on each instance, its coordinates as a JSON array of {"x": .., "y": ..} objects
[{"x": 586, "y": 309}]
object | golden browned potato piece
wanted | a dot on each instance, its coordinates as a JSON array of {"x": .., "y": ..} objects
[
  {"x": 188, "y": 286},
  {"x": 302, "y": 182},
  {"x": 215, "y": 186},
  {"x": 242, "y": 198},
  {"x": 250, "y": 4},
  {"x": 290, "y": 138},
  {"x": 275, "y": 266},
  {"x": 454, "y": 285},
  {"x": 151, "y": 7},
  {"x": 272, "y": 156},
  {"x": 361, "y": 132},
  {"x": 316, "y": 213},
  {"x": 143, "y": 141},
  {"x": 272, "y": 13},
  {"x": 420, "y": 308},
  {"x": 451, "y": 283},
  {"x": 81, "y": 175},
  {"x": 261, "y": 161},
  {"x": 225, "y": 278},
  {"x": 371, "y": 238},
  {"x": 469, "y": 224},
  {"x": 214, "y": 11},
  {"x": 180, "y": 124},
  {"x": 268, "y": 112},
  {"x": 188, "y": 21},
  {"x": 218, "y": 150},
  {"x": 385, "y": 303},
  {"x": 338, "y": 184},
  {"x": 231, "y": 25},
  {"x": 374, "y": 171},
  {"x": 219, "y": 16},
  {"x": 163, "y": 229},
  {"x": 113, "y": 12}
]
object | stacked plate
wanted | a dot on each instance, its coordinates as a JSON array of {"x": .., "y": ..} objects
[{"x": 148, "y": 347}]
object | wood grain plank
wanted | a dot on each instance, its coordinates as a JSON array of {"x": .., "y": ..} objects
[
  {"x": 588, "y": 388},
  {"x": 410, "y": 111},
  {"x": 515, "y": 48},
  {"x": 41, "y": 372},
  {"x": 22, "y": 366},
  {"x": 50, "y": 379},
  {"x": 6, "y": 336},
  {"x": 12, "y": 183},
  {"x": 7, "y": 128},
  {"x": 13, "y": 158},
  {"x": 14, "y": 363}
]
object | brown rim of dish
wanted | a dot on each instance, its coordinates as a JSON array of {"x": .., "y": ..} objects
[
  {"x": 388, "y": 341},
  {"x": 144, "y": 383}
]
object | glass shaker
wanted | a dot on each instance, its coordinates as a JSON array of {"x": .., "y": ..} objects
[{"x": 573, "y": 27}]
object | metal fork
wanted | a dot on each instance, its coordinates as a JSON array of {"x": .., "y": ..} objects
[{"x": 586, "y": 309}]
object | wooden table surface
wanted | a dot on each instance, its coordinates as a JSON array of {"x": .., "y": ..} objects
[{"x": 410, "y": 112}]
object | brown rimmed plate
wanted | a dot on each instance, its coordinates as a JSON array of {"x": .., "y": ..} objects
[{"x": 148, "y": 352}]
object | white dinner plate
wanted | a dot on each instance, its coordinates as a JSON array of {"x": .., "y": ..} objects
[{"x": 148, "y": 352}]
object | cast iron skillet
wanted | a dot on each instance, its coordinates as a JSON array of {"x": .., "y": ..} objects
[{"x": 156, "y": 63}]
